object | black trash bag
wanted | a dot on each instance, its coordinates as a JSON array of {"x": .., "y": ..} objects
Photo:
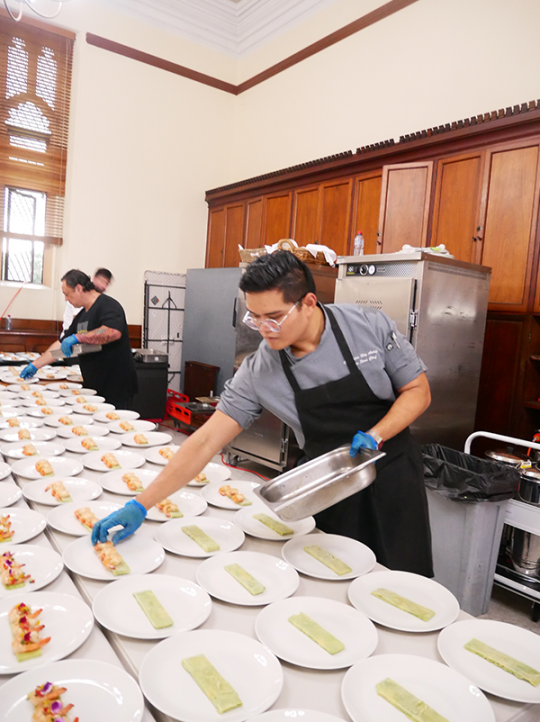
[{"x": 467, "y": 478}]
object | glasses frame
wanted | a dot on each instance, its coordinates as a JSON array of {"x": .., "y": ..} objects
[{"x": 270, "y": 324}]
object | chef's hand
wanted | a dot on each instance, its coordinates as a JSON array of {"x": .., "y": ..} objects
[
  {"x": 28, "y": 371},
  {"x": 361, "y": 440},
  {"x": 67, "y": 343},
  {"x": 131, "y": 516}
]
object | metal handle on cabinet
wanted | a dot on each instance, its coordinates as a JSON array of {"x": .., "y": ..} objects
[{"x": 235, "y": 312}]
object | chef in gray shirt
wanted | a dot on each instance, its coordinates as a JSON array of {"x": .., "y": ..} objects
[{"x": 335, "y": 374}]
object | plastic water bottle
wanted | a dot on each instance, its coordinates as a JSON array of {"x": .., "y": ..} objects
[
  {"x": 358, "y": 246},
  {"x": 9, "y": 325}
]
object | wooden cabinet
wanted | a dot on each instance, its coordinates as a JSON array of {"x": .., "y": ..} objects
[
  {"x": 456, "y": 210},
  {"x": 321, "y": 214},
  {"x": 404, "y": 209},
  {"x": 268, "y": 220},
  {"x": 365, "y": 211},
  {"x": 225, "y": 233}
]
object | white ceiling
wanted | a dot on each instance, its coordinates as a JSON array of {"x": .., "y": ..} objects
[{"x": 235, "y": 27}]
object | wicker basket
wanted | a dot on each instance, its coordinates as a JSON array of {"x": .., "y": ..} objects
[
  {"x": 250, "y": 254},
  {"x": 307, "y": 257}
]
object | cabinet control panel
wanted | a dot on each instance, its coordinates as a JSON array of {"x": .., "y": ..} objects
[{"x": 363, "y": 269}]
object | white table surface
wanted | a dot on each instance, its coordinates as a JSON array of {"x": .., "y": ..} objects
[{"x": 303, "y": 688}]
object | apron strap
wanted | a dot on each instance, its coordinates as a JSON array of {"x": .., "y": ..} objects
[
  {"x": 342, "y": 343},
  {"x": 286, "y": 364}
]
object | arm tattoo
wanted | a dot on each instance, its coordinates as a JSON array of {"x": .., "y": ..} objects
[{"x": 103, "y": 334}]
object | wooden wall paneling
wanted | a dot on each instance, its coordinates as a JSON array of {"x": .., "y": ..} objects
[
  {"x": 456, "y": 211},
  {"x": 405, "y": 201},
  {"x": 335, "y": 215},
  {"x": 234, "y": 234},
  {"x": 306, "y": 209},
  {"x": 254, "y": 223},
  {"x": 512, "y": 191},
  {"x": 215, "y": 246},
  {"x": 365, "y": 210},
  {"x": 277, "y": 218}
]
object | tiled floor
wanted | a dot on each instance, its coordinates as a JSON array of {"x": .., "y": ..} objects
[{"x": 505, "y": 606}]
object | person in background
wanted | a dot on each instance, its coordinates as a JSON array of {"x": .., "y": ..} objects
[
  {"x": 101, "y": 320},
  {"x": 102, "y": 278},
  {"x": 326, "y": 371}
]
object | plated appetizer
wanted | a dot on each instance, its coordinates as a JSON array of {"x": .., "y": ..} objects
[
  {"x": 6, "y": 532},
  {"x": 81, "y": 400},
  {"x": 12, "y": 575},
  {"x": 126, "y": 426},
  {"x": 110, "y": 461},
  {"x": 202, "y": 478},
  {"x": 44, "y": 467},
  {"x": 25, "y": 630},
  {"x": 24, "y": 434},
  {"x": 169, "y": 508},
  {"x": 234, "y": 495},
  {"x": 166, "y": 453},
  {"x": 46, "y": 410},
  {"x": 89, "y": 444},
  {"x": 65, "y": 420},
  {"x": 79, "y": 431},
  {"x": 59, "y": 491},
  {"x": 90, "y": 407},
  {"x": 111, "y": 559},
  {"x": 13, "y": 421},
  {"x": 29, "y": 450},
  {"x": 112, "y": 415},
  {"x": 140, "y": 439},
  {"x": 48, "y": 707},
  {"x": 86, "y": 517},
  {"x": 132, "y": 481}
]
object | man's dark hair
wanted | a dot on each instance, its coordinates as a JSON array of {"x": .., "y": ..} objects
[
  {"x": 75, "y": 278},
  {"x": 105, "y": 273},
  {"x": 282, "y": 271}
]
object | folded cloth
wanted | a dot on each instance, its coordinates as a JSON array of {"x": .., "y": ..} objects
[{"x": 329, "y": 255}]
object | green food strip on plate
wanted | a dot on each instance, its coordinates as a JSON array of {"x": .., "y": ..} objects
[
  {"x": 315, "y": 632},
  {"x": 328, "y": 559},
  {"x": 14, "y": 586},
  {"x": 217, "y": 689},
  {"x": 153, "y": 609},
  {"x": 504, "y": 661},
  {"x": 276, "y": 526},
  {"x": 404, "y": 604},
  {"x": 122, "y": 568},
  {"x": 245, "y": 579},
  {"x": 23, "y": 656},
  {"x": 206, "y": 542},
  {"x": 405, "y": 702}
]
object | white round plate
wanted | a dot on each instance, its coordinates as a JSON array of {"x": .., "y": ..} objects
[
  {"x": 68, "y": 621},
  {"x": 81, "y": 399},
  {"x": 25, "y": 524},
  {"x": 54, "y": 373},
  {"x": 210, "y": 492},
  {"x": 8, "y": 396},
  {"x": 15, "y": 385},
  {"x": 12, "y": 435},
  {"x": 515, "y": 641},
  {"x": 112, "y": 481},
  {"x": 279, "y": 579},
  {"x": 43, "y": 565},
  {"x": 103, "y": 443},
  {"x": 80, "y": 490},
  {"x": 10, "y": 404},
  {"x": 82, "y": 409},
  {"x": 10, "y": 411},
  {"x": 76, "y": 419},
  {"x": 43, "y": 412},
  {"x": 213, "y": 472},
  {"x": 351, "y": 627},
  {"x": 418, "y": 589},
  {"x": 58, "y": 386},
  {"x": 25, "y": 422},
  {"x": 5, "y": 470},
  {"x": 60, "y": 464},
  {"x": 43, "y": 448},
  {"x": 116, "y": 608},
  {"x": 357, "y": 555},
  {"x": 225, "y": 533},
  {"x": 138, "y": 425},
  {"x": 37, "y": 392},
  {"x": 253, "y": 672},
  {"x": 9, "y": 494},
  {"x": 155, "y": 457},
  {"x": 126, "y": 459},
  {"x": 244, "y": 519},
  {"x": 124, "y": 415},
  {"x": 76, "y": 378},
  {"x": 444, "y": 690},
  {"x": 76, "y": 390},
  {"x": 106, "y": 690},
  {"x": 94, "y": 431},
  {"x": 296, "y": 714},
  {"x": 62, "y": 518},
  {"x": 50, "y": 401},
  {"x": 154, "y": 438},
  {"x": 141, "y": 553},
  {"x": 189, "y": 504}
]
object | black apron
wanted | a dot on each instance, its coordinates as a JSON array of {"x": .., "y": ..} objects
[{"x": 391, "y": 515}]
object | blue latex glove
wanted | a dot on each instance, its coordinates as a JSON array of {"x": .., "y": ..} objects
[
  {"x": 361, "y": 440},
  {"x": 28, "y": 371},
  {"x": 130, "y": 517},
  {"x": 67, "y": 343}
]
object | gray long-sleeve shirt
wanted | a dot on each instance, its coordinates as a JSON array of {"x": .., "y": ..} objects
[{"x": 384, "y": 356}]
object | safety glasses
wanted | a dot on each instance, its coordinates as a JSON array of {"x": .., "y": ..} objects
[{"x": 269, "y": 323}]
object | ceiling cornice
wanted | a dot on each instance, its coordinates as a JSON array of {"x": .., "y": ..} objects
[{"x": 234, "y": 28}]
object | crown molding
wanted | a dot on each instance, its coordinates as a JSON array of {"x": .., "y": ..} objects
[{"x": 233, "y": 28}]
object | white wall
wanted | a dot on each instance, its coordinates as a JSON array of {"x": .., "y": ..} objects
[{"x": 146, "y": 144}]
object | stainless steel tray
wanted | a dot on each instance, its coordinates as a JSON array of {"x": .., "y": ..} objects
[
  {"x": 78, "y": 349},
  {"x": 318, "y": 484}
]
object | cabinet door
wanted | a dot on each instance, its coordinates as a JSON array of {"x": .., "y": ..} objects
[
  {"x": 277, "y": 218},
  {"x": 234, "y": 234},
  {"x": 366, "y": 204},
  {"x": 457, "y": 205},
  {"x": 305, "y": 226},
  {"x": 405, "y": 200},
  {"x": 254, "y": 223},
  {"x": 215, "y": 245},
  {"x": 511, "y": 190},
  {"x": 335, "y": 207}
]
